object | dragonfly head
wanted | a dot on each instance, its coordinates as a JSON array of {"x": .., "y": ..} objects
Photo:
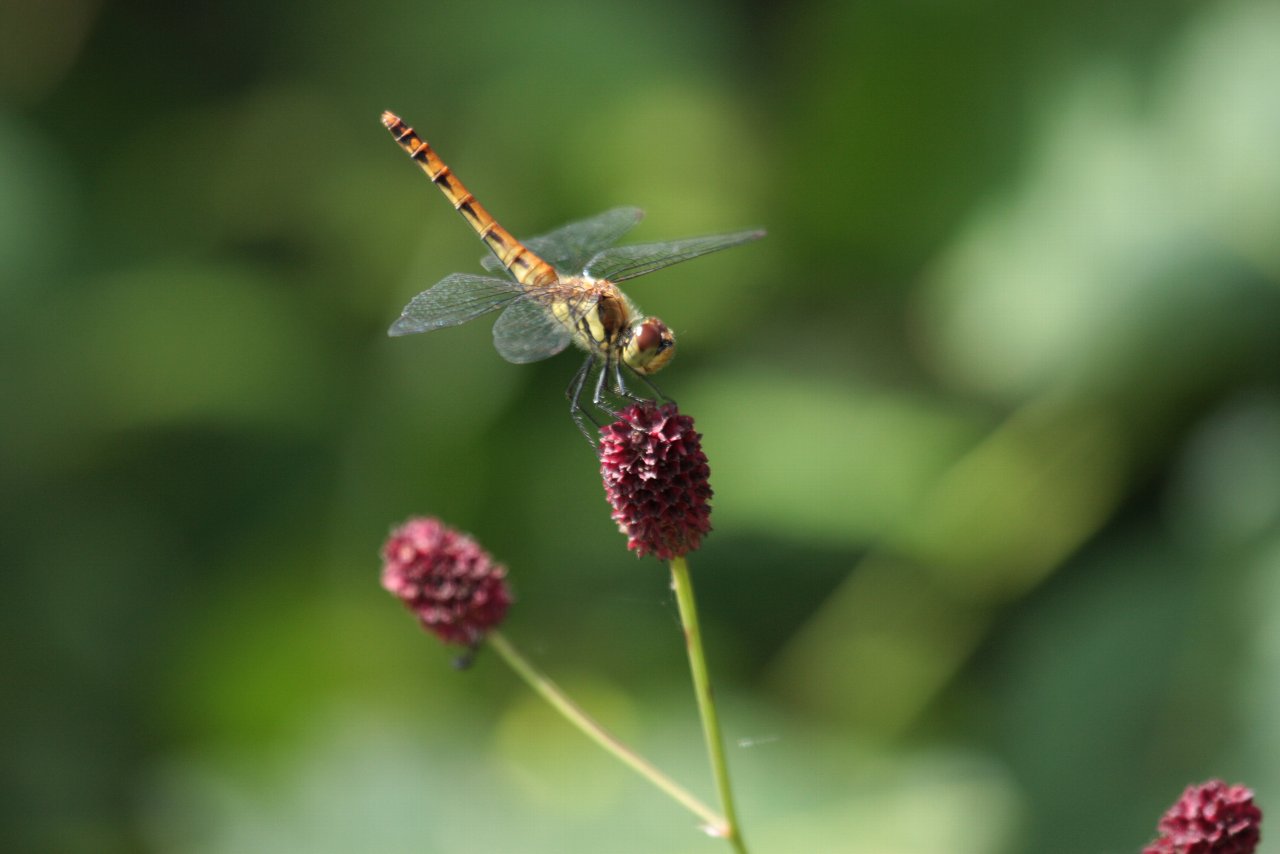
[{"x": 649, "y": 346}]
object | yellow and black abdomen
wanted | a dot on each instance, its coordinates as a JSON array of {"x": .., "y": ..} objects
[{"x": 524, "y": 265}]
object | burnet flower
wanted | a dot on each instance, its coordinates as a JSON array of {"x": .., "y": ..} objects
[
  {"x": 1210, "y": 818},
  {"x": 444, "y": 577},
  {"x": 655, "y": 477}
]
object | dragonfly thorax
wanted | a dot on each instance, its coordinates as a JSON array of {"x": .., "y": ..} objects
[
  {"x": 647, "y": 346},
  {"x": 610, "y": 324}
]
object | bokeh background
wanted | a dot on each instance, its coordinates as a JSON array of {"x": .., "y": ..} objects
[{"x": 993, "y": 417}]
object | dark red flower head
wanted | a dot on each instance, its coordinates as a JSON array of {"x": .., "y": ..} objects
[
  {"x": 445, "y": 578},
  {"x": 1212, "y": 818},
  {"x": 655, "y": 476}
]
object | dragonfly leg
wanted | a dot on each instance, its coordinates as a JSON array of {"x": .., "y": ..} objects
[
  {"x": 577, "y": 411},
  {"x": 608, "y": 386},
  {"x": 662, "y": 398},
  {"x": 620, "y": 387},
  {"x": 574, "y": 391},
  {"x": 598, "y": 397},
  {"x": 620, "y": 384}
]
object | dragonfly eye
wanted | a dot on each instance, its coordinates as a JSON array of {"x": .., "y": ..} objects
[{"x": 650, "y": 347}]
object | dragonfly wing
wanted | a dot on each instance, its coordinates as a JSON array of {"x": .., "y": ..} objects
[
  {"x": 491, "y": 263},
  {"x": 528, "y": 332},
  {"x": 454, "y": 299},
  {"x": 569, "y": 247},
  {"x": 627, "y": 262}
]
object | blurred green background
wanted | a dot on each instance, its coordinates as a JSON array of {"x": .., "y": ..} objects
[{"x": 993, "y": 417}]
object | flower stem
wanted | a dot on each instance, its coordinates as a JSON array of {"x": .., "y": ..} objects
[
  {"x": 683, "y": 586},
  {"x": 552, "y": 693}
]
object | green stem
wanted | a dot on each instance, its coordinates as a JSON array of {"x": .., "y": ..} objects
[
  {"x": 552, "y": 693},
  {"x": 683, "y": 586}
]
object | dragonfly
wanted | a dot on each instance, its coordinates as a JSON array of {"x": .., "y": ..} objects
[{"x": 557, "y": 289}]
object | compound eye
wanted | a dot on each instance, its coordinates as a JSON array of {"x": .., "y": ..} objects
[
  {"x": 649, "y": 337},
  {"x": 650, "y": 347}
]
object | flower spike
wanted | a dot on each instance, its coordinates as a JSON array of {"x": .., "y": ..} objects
[
  {"x": 1211, "y": 818},
  {"x": 655, "y": 477},
  {"x": 446, "y": 578}
]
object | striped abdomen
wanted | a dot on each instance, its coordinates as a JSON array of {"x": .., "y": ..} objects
[{"x": 527, "y": 267}]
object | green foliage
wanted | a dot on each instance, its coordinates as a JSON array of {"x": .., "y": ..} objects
[{"x": 993, "y": 418}]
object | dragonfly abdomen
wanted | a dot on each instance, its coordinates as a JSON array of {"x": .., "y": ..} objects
[{"x": 523, "y": 264}]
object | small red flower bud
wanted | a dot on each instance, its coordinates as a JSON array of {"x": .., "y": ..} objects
[
  {"x": 1211, "y": 818},
  {"x": 655, "y": 477},
  {"x": 445, "y": 578}
]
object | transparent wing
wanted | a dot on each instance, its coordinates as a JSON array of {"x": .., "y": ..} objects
[
  {"x": 455, "y": 299},
  {"x": 569, "y": 247},
  {"x": 627, "y": 262},
  {"x": 528, "y": 332}
]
